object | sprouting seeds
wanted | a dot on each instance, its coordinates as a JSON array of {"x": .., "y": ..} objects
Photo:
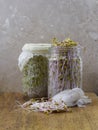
[
  {"x": 66, "y": 43},
  {"x": 35, "y": 74}
]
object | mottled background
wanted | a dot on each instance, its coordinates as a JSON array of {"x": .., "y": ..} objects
[{"x": 24, "y": 21}]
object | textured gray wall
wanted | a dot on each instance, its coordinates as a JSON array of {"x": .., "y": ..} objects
[{"x": 24, "y": 21}]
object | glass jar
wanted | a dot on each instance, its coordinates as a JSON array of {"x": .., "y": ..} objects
[
  {"x": 33, "y": 63},
  {"x": 65, "y": 69}
]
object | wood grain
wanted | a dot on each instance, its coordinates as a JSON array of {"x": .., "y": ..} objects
[{"x": 13, "y": 118}]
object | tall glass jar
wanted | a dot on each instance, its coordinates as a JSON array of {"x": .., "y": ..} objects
[
  {"x": 65, "y": 69},
  {"x": 33, "y": 62}
]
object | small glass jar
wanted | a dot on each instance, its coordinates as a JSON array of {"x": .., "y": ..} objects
[
  {"x": 34, "y": 66},
  {"x": 65, "y": 69}
]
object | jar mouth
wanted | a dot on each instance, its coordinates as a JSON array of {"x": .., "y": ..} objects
[
  {"x": 36, "y": 47},
  {"x": 66, "y": 47}
]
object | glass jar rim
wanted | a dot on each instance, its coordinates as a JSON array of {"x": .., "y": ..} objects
[
  {"x": 67, "y": 47},
  {"x": 36, "y": 47}
]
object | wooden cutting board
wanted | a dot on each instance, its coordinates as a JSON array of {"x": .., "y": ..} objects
[{"x": 13, "y": 118}]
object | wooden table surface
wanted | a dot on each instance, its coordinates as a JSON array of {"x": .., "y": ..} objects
[{"x": 13, "y": 118}]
